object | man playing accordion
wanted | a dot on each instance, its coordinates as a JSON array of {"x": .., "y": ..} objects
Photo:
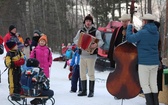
[{"x": 87, "y": 60}]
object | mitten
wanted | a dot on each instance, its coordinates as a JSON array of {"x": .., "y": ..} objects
[{"x": 19, "y": 62}]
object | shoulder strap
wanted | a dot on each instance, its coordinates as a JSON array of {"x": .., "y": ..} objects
[
  {"x": 49, "y": 52},
  {"x": 34, "y": 53}
]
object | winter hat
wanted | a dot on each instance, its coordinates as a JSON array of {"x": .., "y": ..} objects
[
  {"x": 43, "y": 37},
  {"x": 20, "y": 46},
  {"x": 11, "y": 44},
  {"x": 11, "y": 27},
  {"x": 125, "y": 17},
  {"x": 148, "y": 17},
  {"x": 38, "y": 32},
  {"x": 32, "y": 62},
  {"x": 88, "y": 17}
]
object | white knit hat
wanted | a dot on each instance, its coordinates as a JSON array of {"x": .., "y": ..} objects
[
  {"x": 148, "y": 17},
  {"x": 125, "y": 17}
]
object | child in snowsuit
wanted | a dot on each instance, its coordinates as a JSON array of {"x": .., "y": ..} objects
[
  {"x": 68, "y": 55},
  {"x": 36, "y": 81},
  {"x": 13, "y": 61},
  {"x": 75, "y": 72},
  {"x": 43, "y": 54}
]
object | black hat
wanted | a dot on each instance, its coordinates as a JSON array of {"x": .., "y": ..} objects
[
  {"x": 32, "y": 62},
  {"x": 11, "y": 44},
  {"x": 88, "y": 17},
  {"x": 11, "y": 27}
]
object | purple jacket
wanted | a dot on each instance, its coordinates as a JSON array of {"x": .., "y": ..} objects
[{"x": 44, "y": 56}]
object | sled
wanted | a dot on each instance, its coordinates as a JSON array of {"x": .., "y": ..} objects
[{"x": 24, "y": 100}]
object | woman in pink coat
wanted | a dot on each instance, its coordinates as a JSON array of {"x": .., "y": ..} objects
[{"x": 43, "y": 54}]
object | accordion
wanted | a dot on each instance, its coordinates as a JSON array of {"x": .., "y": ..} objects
[{"x": 85, "y": 41}]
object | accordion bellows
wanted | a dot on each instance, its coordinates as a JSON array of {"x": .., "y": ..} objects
[{"x": 85, "y": 41}]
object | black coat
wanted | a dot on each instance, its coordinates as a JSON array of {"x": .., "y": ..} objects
[{"x": 116, "y": 39}]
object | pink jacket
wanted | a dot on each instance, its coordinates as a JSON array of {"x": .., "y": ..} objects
[{"x": 44, "y": 56}]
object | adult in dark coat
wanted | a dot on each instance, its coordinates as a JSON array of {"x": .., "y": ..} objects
[
  {"x": 35, "y": 38},
  {"x": 118, "y": 37}
]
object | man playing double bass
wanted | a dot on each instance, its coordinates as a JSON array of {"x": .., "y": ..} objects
[
  {"x": 119, "y": 36},
  {"x": 87, "y": 61}
]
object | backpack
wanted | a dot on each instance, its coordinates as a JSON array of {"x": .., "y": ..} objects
[{"x": 33, "y": 81}]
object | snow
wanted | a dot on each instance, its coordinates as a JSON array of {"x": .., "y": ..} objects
[{"x": 61, "y": 86}]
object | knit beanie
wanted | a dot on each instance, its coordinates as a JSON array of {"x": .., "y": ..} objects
[
  {"x": 32, "y": 62},
  {"x": 11, "y": 27},
  {"x": 20, "y": 46},
  {"x": 43, "y": 37},
  {"x": 37, "y": 32},
  {"x": 11, "y": 44},
  {"x": 88, "y": 17}
]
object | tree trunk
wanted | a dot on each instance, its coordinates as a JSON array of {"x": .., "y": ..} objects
[{"x": 149, "y": 6}]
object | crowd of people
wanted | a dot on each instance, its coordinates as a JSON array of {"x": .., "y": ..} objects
[
  {"x": 20, "y": 55},
  {"x": 82, "y": 63}
]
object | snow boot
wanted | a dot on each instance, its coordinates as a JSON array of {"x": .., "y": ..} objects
[
  {"x": 84, "y": 90},
  {"x": 91, "y": 88},
  {"x": 149, "y": 99},
  {"x": 15, "y": 97},
  {"x": 155, "y": 99},
  {"x": 36, "y": 101}
]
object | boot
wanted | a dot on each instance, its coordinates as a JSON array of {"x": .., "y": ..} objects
[
  {"x": 91, "y": 88},
  {"x": 155, "y": 98},
  {"x": 84, "y": 90},
  {"x": 149, "y": 99},
  {"x": 36, "y": 101}
]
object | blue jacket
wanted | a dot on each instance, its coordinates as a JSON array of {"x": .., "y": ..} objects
[
  {"x": 68, "y": 53},
  {"x": 75, "y": 59},
  {"x": 147, "y": 43}
]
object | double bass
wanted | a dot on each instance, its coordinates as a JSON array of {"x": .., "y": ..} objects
[{"x": 123, "y": 83}]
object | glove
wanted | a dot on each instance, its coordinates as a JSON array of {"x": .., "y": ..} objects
[
  {"x": 80, "y": 51},
  {"x": 71, "y": 68},
  {"x": 19, "y": 62}
]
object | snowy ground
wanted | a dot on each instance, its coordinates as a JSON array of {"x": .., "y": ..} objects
[{"x": 61, "y": 86}]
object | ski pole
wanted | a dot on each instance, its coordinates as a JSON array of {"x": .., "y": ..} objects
[{"x": 4, "y": 71}]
